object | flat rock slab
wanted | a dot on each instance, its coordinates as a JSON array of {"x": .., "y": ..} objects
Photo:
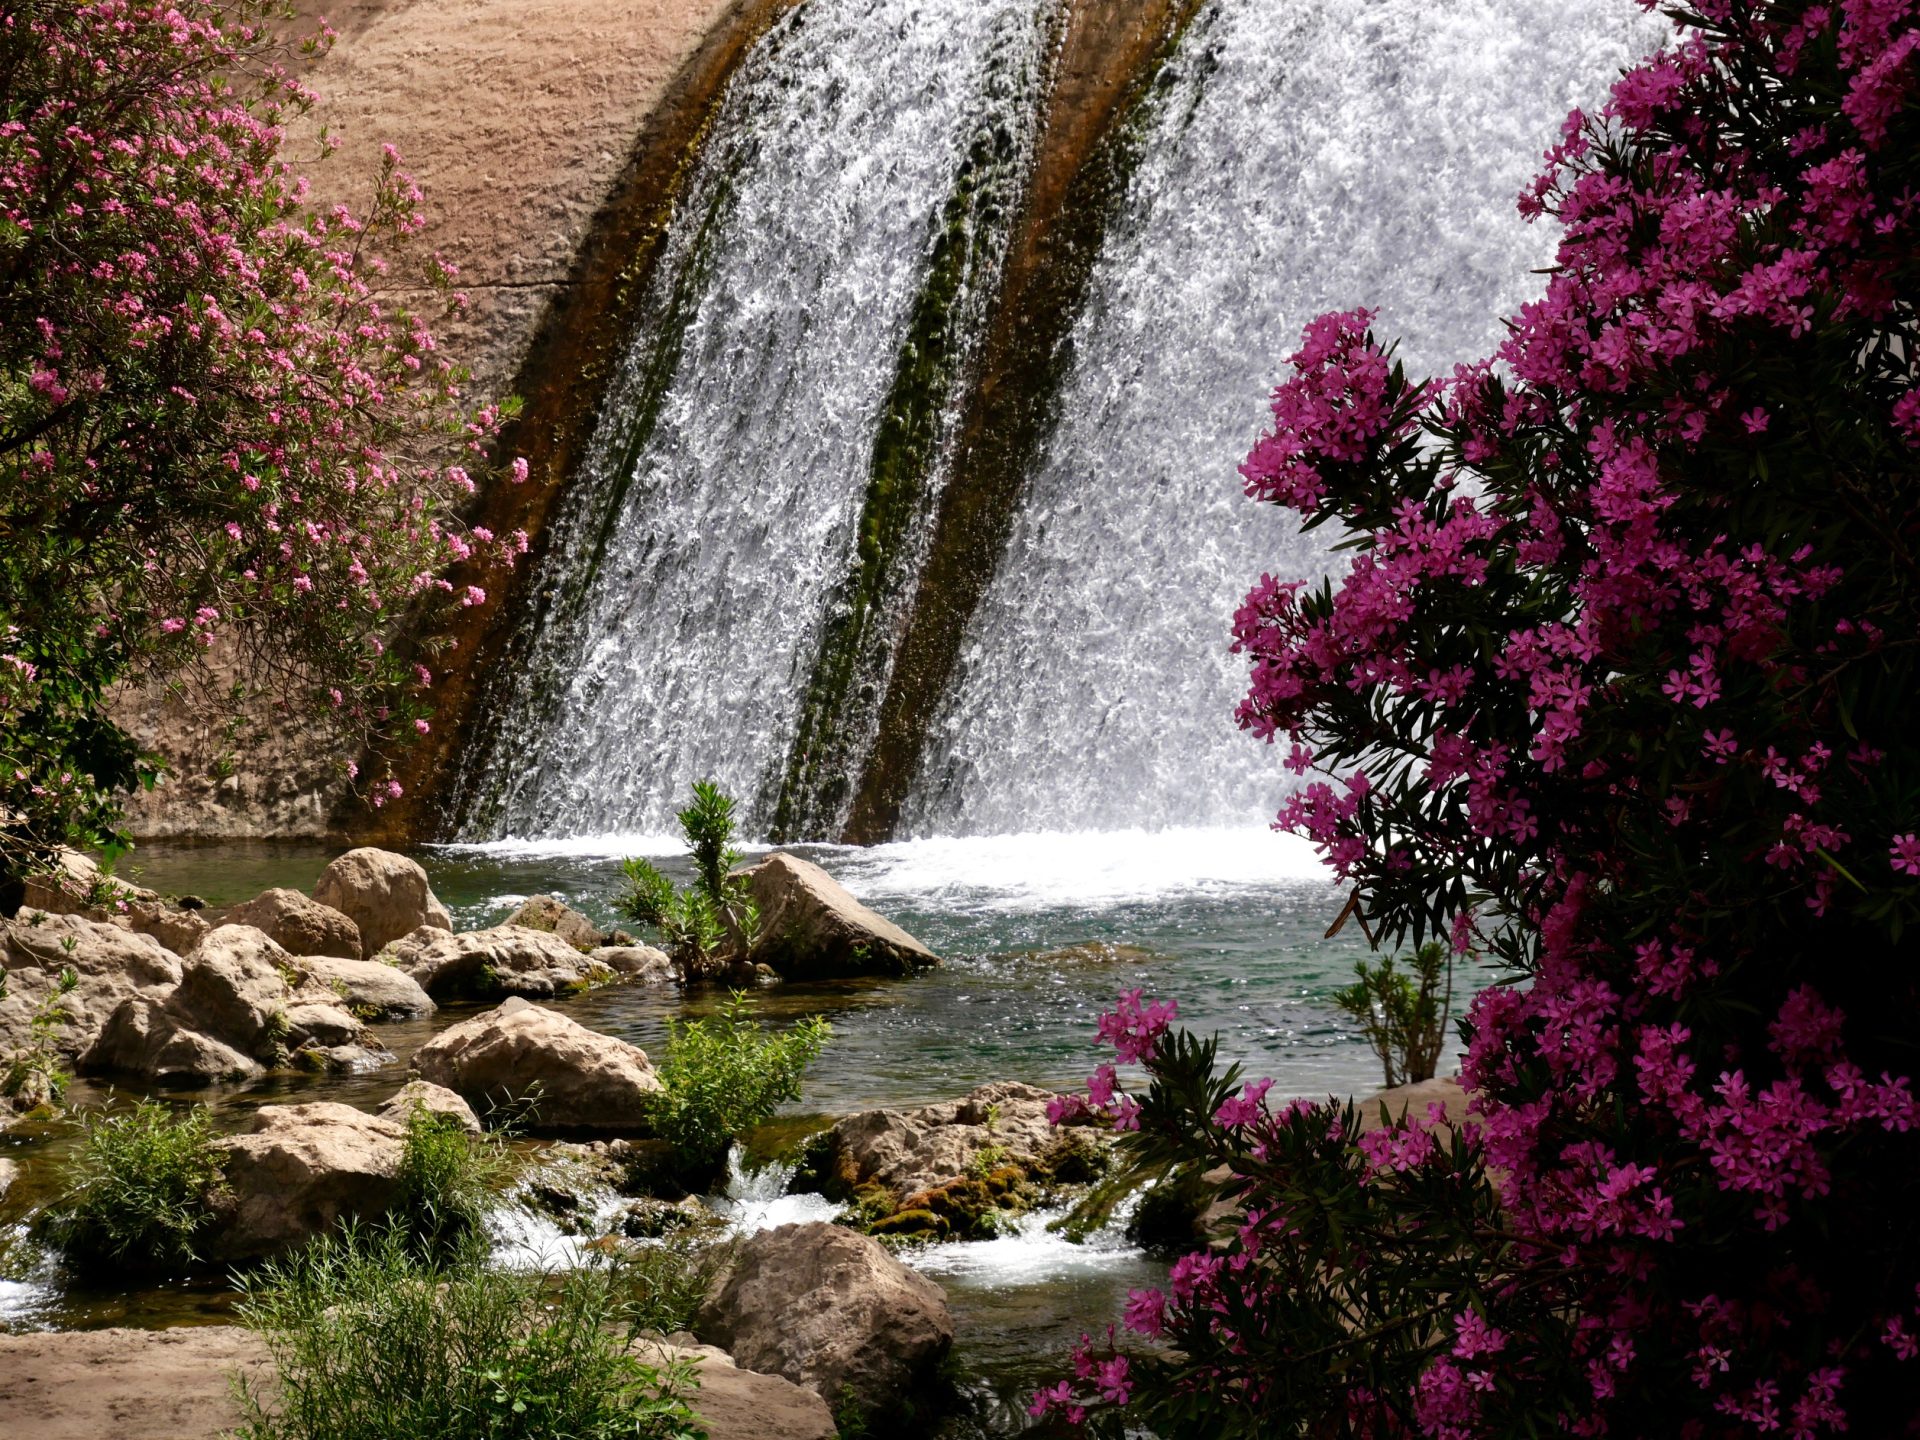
[
  {"x": 124, "y": 1384},
  {"x": 174, "y": 1385}
]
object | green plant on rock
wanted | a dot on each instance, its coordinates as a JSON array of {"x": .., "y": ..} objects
[
  {"x": 711, "y": 921},
  {"x": 34, "y": 1075},
  {"x": 446, "y": 1183},
  {"x": 140, "y": 1191},
  {"x": 668, "y": 1279},
  {"x": 370, "y": 1342},
  {"x": 1403, "y": 1015},
  {"x": 721, "y": 1075}
]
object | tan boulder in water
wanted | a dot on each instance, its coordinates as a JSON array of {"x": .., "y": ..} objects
[
  {"x": 112, "y": 964},
  {"x": 549, "y": 913},
  {"x": 830, "y": 1310},
  {"x": 385, "y": 895},
  {"x": 368, "y": 988},
  {"x": 567, "y": 1077},
  {"x": 811, "y": 927},
  {"x": 299, "y": 925},
  {"x": 505, "y": 960},
  {"x": 299, "y": 1171}
]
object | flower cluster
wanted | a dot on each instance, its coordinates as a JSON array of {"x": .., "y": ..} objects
[
  {"x": 222, "y": 428},
  {"x": 1616, "y": 684}
]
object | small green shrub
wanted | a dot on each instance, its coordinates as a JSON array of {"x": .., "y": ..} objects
[
  {"x": 667, "y": 1279},
  {"x": 446, "y": 1182},
  {"x": 1404, "y": 1016},
  {"x": 371, "y": 1343},
  {"x": 139, "y": 1193},
  {"x": 713, "y": 919},
  {"x": 34, "y": 1074},
  {"x": 723, "y": 1074}
]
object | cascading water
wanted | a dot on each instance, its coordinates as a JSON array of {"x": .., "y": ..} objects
[
  {"x": 1294, "y": 159},
  {"x": 713, "y": 527}
]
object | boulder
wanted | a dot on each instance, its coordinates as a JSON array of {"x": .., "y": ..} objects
[
  {"x": 145, "y": 1038},
  {"x": 506, "y": 960},
  {"x": 9, "y": 1172},
  {"x": 76, "y": 885},
  {"x": 298, "y": 925},
  {"x": 245, "y": 989},
  {"x": 174, "y": 925},
  {"x": 830, "y": 1310},
  {"x": 1415, "y": 1098},
  {"x": 569, "y": 1078},
  {"x": 551, "y": 914},
  {"x": 300, "y": 1170},
  {"x": 385, "y": 895},
  {"x": 434, "y": 1099},
  {"x": 367, "y": 988},
  {"x": 810, "y": 927},
  {"x": 913, "y": 1150},
  {"x": 735, "y": 1404},
  {"x": 113, "y": 965},
  {"x": 955, "y": 1170},
  {"x": 240, "y": 1006},
  {"x": 641, "y": 964}
]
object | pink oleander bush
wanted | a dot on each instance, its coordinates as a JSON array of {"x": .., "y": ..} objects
[
  {"x": 1618, "y": 689},
  {"x": 220, "y": 422}
]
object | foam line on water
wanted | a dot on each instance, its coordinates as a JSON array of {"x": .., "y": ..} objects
[
  {"x": 1092, "y": 869},
  {"x": 1027, "y": 1254}
]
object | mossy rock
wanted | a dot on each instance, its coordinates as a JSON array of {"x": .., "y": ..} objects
[{"x": 911, "y": 1225}]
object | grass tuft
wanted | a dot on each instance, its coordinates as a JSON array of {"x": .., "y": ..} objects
[
  {"x": 139, "y": 1192},
  {"x": 371, "y": 1342}
]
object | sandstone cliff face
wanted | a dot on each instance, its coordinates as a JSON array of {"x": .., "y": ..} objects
[{"x": 517, "y": 118}]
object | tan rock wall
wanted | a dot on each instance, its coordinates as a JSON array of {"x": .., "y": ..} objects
[{"x": 516, "y": 118}]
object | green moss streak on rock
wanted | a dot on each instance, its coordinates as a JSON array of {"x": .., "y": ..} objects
[
  {"x": 916, "y": 421},
  {"x": 1115, "y": 59}
]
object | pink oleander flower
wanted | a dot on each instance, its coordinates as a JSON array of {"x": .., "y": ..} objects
[{"x": 1905, "y": 851}]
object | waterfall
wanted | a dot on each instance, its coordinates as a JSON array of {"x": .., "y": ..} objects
[
  {"x": 724, "y": 516},
  {"x": 1295, "y": 158}
]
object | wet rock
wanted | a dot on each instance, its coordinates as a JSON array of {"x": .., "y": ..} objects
[
  {"x": 385, "y": 895},
  {"x": 640, "y": 964},
  {"x": 563, "y": 1076},
  {"x": 907, "y": 1151},
  {"x": 174, "y": 924},
  {"x": 652, "y": 1219},
  {"x": 811, "y": 927},
  {"x": 549, "y": 913},
  {"x": 832, "y": 1311},
  {"x": 113, "y": 965},
  {"x": 300, "y": 926},
  {"x": 299, "y": 1171},
  {"x": 240, "y": 1006},
  {"x": 737, "y": 1404},
  {"x": 435, "y": 1100},
  {"x": 148, "y": 1040},
  {"x": 486, "y": 964},
  {"x": 367, "y": 988},
  {"x": 243, "y": 988}
]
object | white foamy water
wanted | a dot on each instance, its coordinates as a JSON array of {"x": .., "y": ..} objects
[
  {"x": 1027, "y": 1253},
  {"x": 1302, "y": 157},
  {"x": 987, "y": 874},
  {"x": 689, "y": 576},
  {"x": 1084, "y": 870},
  {"x": 757, "y": 1200}
]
